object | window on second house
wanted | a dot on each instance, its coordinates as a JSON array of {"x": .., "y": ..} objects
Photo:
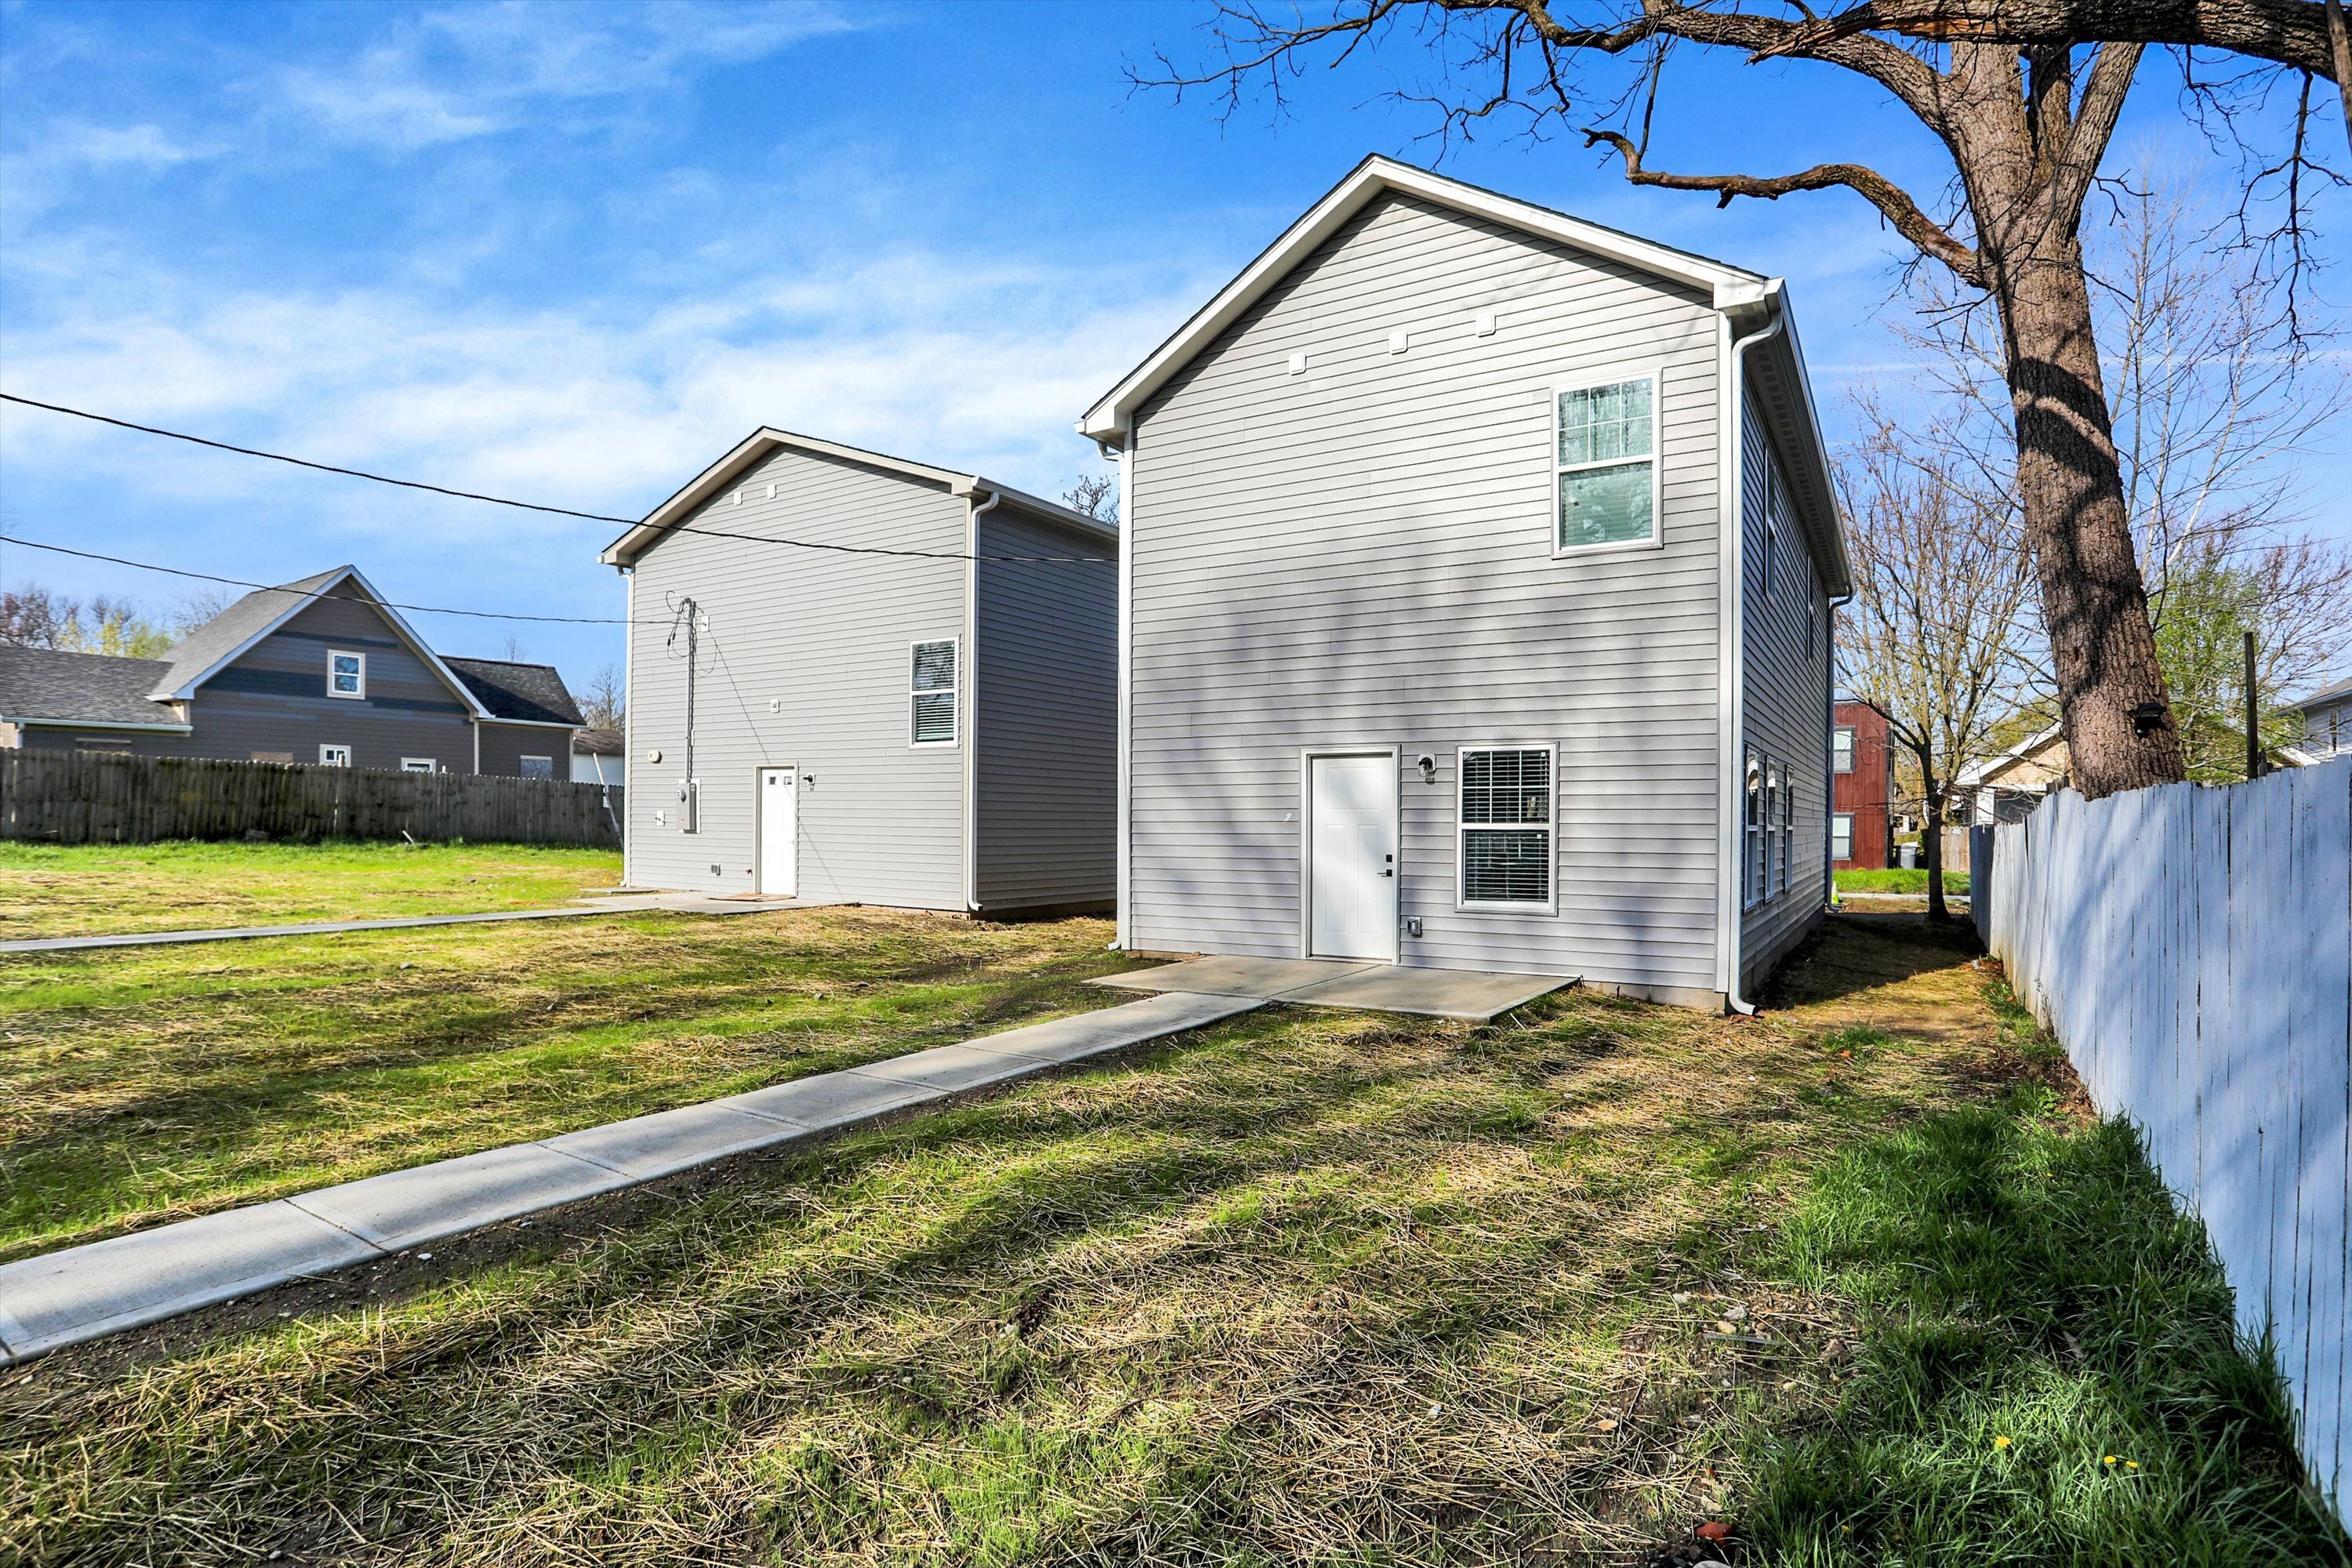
[
  {"x": 1505, "y": 826},
  {"x": 1606, "y": 465},
  {"x": 346, "y": 674},
  {"x": 1841, "y": 749},
  {"x": 416, "y": 765},
  {"x": 538, "y": 767},
  {"x": 334, "y": 756},
  {"x": 1842, "y": 835},
  {"x": 933, "y": 694}
]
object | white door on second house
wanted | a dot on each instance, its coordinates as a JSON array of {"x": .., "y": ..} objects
[
  {"x": 1353, "y": 842},
  {"x": 779, "y": 832}
]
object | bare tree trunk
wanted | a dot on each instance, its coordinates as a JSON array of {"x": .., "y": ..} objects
[
  {"x": 2070, "y": 486},
  {"x": 1931, "y": 839}
]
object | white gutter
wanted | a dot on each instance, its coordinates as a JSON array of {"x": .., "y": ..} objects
[
  {"x": 967, "y": 674},
  {"x": 1829, "y": 746},
  {"x": 628, "y": 717},
  {"x": 1731, "y": 648},
  {"x": 1124, "y": 936},
  {"x": 98, "y": 724}
]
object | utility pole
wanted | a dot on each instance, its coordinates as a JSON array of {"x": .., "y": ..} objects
[{"x": 2253, "y": 716}]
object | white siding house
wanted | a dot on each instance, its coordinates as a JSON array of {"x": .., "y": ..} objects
[
  {"x": 851, "y": 677},
  {"x": 1439, "y": 645}
]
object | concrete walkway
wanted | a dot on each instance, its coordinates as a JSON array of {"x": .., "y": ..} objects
[
  {"x": 87, "y": 1292},
  {"x": 622, "y": 903},
  {"x": 1476, "y": 995}
]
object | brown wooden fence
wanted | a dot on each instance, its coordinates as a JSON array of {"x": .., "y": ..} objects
[{"x": 70, "y": 797}]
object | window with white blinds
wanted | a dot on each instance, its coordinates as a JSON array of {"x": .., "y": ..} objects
[
  {"x": 933, "y": 694},
  {"x": 1505, "y": 826}
]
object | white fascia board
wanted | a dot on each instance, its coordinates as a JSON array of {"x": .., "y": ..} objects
[
  {"x": 417, "y": 645},
  {"x": 1728, "y": 287},
  {"x": 623, "y": 551},
  {"x": 534, "y": 723},
  {"x": 97, "y": 725},
  {"x": 303, "y": 599},
  {"x": 1051, "y": 511},
  {"x": 1812, "y": 443}
]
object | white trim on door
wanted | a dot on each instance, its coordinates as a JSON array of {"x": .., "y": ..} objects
[{"x": 1307, "y": 757}]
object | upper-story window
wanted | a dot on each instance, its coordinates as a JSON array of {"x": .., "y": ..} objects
[
  {"x": 933, "y": 694},
  {"x": 1605, "y": 457},
  {"x": 346, "y": 674},
  {"x": 1842, "y": 748}
]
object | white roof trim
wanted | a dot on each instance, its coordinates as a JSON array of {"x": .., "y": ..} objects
[
  {"x": 1108, "y": 420},
  {"x": 757, "y": 446},
  {"x": 99, "y": 724},
  {"x": 1973, "y": 775},
  {"x": 304, "y": 599}
]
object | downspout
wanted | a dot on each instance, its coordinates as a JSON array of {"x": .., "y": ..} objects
[
  {"x": 1829, "y": 745},
  {"x": 968, "y": 704},
  {"x": 1731, "y": 653},
  {"x": 1123, "y": 934},
  {"x": 628, "y": 709}
]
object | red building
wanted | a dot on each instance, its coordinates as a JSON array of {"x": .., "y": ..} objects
[{"x": 1862, "y": 790}]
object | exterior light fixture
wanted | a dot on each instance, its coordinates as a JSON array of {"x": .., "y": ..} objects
[
  {"x": 2148, "y": 718},
  {"x": 1428, "y": 767}
]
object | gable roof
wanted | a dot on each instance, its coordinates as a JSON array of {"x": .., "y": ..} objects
[
  {"x": 50, "y": 684},
  {"x": 598, "y": 742},
  {"x": 1784, "y": 392},
  {"x": 2338, "y": 692},
  {"x": 213, "y": 646},
  {"x": 1975, "y": 773},
  {"x": 758, "y": 445},
  {"x": 530, "y": 693}
]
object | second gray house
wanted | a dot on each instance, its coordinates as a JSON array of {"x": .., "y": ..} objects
[
  {"x": 853, "y": 677},
  {"x": 1476, "y": 603}
]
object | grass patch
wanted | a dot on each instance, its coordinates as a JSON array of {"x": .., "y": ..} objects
[
  {"x": 1303, "y": 1287},
  {"x": 1895, "y": 879},
  {"x": 96, "y": 889},
  {"x": 148, "y": 1084}
]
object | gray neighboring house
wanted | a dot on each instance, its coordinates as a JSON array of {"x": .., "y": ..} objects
[
  {"x": 2326, "y": 726},
  {"x": 921, "y": 715},
  {"x": 1440, "y": 646},
  {"x": 318, "y": 671}
]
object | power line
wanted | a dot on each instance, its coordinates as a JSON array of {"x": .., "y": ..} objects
[
  {"x": 307, "y": 592},
  {"x": 557, "y": 511}
]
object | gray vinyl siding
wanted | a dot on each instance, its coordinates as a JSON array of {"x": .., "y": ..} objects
[
  {"x": 504, "y": 746},
  {"x": 806, "y": 661},
  {"x": 271, "y": 701},
  {"x": 1362, "y": 555},
  {"x": 1046, "y": 714},
  {"x": 1784, "y": 697}
]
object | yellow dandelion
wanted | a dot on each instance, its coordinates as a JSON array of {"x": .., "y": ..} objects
[
  {"x": 2001, "y": 1442},
  {"x": 2109, "y": 1461},
  {"x": 2131, "y": 1464}
]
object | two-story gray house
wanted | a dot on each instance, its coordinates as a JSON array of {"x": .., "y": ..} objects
[
  {"x": 853, "y": 677},
  {"x": 321, "y": 672},
  {"x": 1443, "y": 640}
]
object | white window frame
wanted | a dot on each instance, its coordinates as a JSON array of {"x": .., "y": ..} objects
[
  {"x": 419, "y": 765},
  {"x": 1554, "y": 467},
  {"x": 1462, "y": 831},
  {"x": 1751, "y": 827},
  {"x": 334, "y": 756},
  {"x": 359, "y": 695},
  {"x": 1777, "y": 791},
  {"x": 955, "y": 693},
  {"x": 1841, "y": 827},
  {"x": 524, "y": 762},
  {"x": 1853, "y": 739}
]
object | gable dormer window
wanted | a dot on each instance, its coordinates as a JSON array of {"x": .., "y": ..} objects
[
  {"x": 346, "y": 675},
  {"x": 1605, "y": 466}
]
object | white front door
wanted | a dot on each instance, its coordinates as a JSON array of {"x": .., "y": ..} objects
[
  {"x": 778, "y": 831},
  {"x": 1352, "y": 841}
]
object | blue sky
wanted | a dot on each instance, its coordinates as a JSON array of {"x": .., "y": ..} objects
[{"x": 570, "y": 254}]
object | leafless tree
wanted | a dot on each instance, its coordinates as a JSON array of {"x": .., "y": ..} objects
[
  {"x": 511, "y": 650},
  {"x": 2024, "y": 97},
  {"x": 34, "y": 616},
  {"x": 1096, "y": 495},
  {"x": 1935, "y": 637},
  {"x": 195, "y": 608},
  {"x": 603, "y": 702}
]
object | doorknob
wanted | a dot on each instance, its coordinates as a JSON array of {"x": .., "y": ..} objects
[{"x": 1389, "y": 873}]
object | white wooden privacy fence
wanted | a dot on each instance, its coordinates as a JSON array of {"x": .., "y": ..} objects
[{"x": 2192, "y": 947}]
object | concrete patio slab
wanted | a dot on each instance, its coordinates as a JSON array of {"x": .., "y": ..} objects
[
  {"x": 1472, "y": 994},
  {"x": 1264, "y": 978},
  {"x": 86, "y": 1292},
  {"x": 408, "y": 1208},
  {"x": 951, "y": 1070},
  {"x": 1106, "y": 1029},
  {"x": 645, "y": 1147}
]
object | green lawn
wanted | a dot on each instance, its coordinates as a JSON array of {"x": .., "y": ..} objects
[
  {"x": 146, "y": 1084},
  {"x": 1303, "y": 1287},
  {"x": 89, "y": 890},
  {"x": 1895, "y": 879}
]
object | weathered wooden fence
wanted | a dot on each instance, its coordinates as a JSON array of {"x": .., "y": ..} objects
[
  {"x": 70, "y": 797},
  {"x": 2192, "y": 949}
]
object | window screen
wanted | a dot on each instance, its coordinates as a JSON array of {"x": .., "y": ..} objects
[
  {"x": 934, "y": 693},
  {"x": 1607, "y": 450},
  {"x": 538, "y": 767},
  {"x": 1842, "y": 836},
  {"x": 1505, "y": 826}
]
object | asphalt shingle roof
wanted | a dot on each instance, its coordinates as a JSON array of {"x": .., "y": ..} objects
[
  {"x": 47, "y": 683},
  {"x": 510, "y": 691},
  {"x": 235, "y": 627},
  {"x": 599, "y": 743}
]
